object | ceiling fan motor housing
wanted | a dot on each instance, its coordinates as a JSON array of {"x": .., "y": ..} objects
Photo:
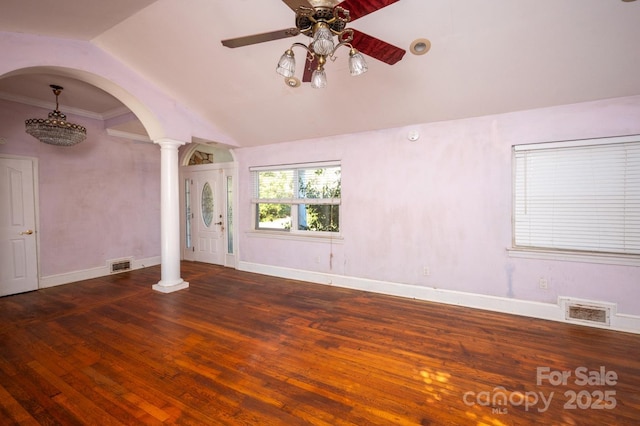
[{"x": 322, "y": 14}]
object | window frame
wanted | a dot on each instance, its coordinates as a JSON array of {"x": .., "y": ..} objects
[
  {"x": 294, "y": 201},
  {"x": 572, "y": 254}
]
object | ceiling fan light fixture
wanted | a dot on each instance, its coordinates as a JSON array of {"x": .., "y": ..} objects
[
  {"x": 322, "y": 40},
  {"x": 55, "y": 130},
  {"x": 319, "y": 79},
  {"x": 287, "y": 64},
  {"x": 325, "y": 23},
  {"x": 357, "y": 64}
]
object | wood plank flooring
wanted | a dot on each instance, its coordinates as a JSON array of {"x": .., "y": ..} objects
[{"x": 244, "y": 349}]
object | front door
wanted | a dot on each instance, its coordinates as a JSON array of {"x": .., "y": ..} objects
[
  {"x": 205, "y": 223},
  {"x": 18, "y": 255}
]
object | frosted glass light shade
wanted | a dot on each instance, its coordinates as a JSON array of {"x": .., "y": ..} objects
[
  {"x": 319, "y": 79},
  {"x": 323, "y": 40},
  {"x": 287, "y": 64},
  {"x": 357, "y": 64}
]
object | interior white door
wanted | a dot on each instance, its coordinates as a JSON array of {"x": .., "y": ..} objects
[
  {"x": 18, "y": 254},
  {"x": 207, "y": 224}
]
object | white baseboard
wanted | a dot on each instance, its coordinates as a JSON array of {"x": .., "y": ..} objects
[
  {"x": 547, "y": 311},
  {"x": 86, "y": 274}
]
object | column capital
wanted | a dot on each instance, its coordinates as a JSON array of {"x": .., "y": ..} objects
[{"x": 169, "y": 143}]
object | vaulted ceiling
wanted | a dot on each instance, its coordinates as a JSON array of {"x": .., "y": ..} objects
[{"x": 486, "y": 57}]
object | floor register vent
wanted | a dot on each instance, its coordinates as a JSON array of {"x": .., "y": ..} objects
[
  {"x": 592, "y": 314},
  {"x": 120, "y": 265}
]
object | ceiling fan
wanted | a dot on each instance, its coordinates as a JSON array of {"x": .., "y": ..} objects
[{"x": 322, "y": 20}]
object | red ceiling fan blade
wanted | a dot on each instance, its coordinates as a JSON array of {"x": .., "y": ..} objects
[
  {"x": 377, "y": 48},
  {"x": 309, "y": 67},
  {"x": 360, "y": 8}
]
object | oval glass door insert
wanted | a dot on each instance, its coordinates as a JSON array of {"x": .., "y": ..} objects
[{"x": 207, "y": 205}]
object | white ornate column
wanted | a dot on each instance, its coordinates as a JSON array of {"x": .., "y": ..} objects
[{"x": 170, "y": 279}]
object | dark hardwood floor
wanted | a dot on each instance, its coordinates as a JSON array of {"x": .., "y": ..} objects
[{"x": 244, "y": 349}]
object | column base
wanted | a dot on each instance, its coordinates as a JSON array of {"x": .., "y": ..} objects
[{"x": 169, "y": 287}]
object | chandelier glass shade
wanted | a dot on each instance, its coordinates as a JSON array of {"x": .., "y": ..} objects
[
  {"x": 287, "y": 64},
  {"x": 323, "y": 47},
  {"x": 319, "y": 79},
  {"x": 322, "y": 40},
  {"x": 357, "y": 64},
  {"x": 56, "y": 130}
]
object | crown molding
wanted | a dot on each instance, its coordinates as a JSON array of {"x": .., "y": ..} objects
[
  {"x": 67, "y": 110},
  {"x": 128, "y": 135}
]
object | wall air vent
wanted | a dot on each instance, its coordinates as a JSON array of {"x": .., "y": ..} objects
[
  {"x": 120, "y": 265},
  {"x": 592, "y": 314}
]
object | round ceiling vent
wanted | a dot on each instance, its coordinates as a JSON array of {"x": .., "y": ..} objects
[
  {"x": 292, "y": 82},
  {"x": 420, "y": 46}
]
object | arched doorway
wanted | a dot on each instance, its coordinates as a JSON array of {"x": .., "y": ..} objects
[
  {"x": 79, "y": 210},
  {"x": 113, "y": 179},
  {"x": 167, "y": 123}
]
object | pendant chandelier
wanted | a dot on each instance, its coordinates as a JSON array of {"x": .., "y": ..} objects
[
  {"x": 56, "y": 130},
  {"x": 323, "y": 46}
]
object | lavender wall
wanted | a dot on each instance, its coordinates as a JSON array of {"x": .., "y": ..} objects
[
  {"x": 99, "y": 200},
  {"x": 444, "y": 202}
]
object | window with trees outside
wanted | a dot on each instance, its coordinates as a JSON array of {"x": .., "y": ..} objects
[
  {"x": 303, "y": 199},
  {"x": 578, "y": 196}
]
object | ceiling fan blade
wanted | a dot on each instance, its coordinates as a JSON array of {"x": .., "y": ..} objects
[
  {"x": 296, "y": 4},
  {"x": 359, "y": 8},
  {"x": 376, "y": 48},
  {"x": 309, "y": 67},
  {"x": 260, "y": 38}
]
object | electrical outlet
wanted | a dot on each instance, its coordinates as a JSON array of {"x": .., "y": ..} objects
[
  {"x": 543, "y": 283},
  {"x": 425, "y": 271}
]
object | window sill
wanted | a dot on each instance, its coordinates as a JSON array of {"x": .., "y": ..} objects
[
  {"x": 282, "y": 235},
  {"x": 609, "y": 259}
]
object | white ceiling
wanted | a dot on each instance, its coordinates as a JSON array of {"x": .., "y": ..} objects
[{"x": 487, "y": 57}]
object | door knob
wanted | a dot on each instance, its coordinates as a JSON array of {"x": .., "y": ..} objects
[
  {"x": 28, "y": 232},
  {"x": 218, "y": 223}
]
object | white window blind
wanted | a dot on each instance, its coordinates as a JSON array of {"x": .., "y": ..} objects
[
  {"x": 578, "y": 196},
  {"x": 314, "y": 183}
]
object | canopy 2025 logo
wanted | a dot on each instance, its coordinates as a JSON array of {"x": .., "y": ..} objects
[{"x": 499, "y": 399}]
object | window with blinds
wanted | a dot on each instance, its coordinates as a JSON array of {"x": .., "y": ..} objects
[
  {"x": 297, "y": 198},
  {"x": 579, "y": 196}
]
